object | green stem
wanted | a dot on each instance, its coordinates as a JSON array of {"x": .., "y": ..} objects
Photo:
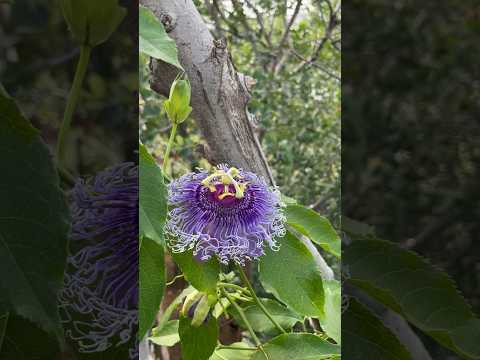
[
  {"x": 72, "y": 100},
  {"x": 235, "y": 348},
  {"x": 174, "y": 279},
  {"x": 257, "y": 300},
  {"x": 244, "y": 318},
  {"x": 171, "y": 140},
  {"x": 233, "y": 286}
]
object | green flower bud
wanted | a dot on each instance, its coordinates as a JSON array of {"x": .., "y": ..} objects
[
  {"x": 177, "y": 105},
  {"x": 92, "y": 21}
]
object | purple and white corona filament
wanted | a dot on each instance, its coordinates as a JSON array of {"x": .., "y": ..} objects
[
  {"x": 101, "y": 280},
  {"x": 230, "y": 213}
]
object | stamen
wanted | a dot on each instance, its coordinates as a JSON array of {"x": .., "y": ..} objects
[{"x": 227, "y": 179}]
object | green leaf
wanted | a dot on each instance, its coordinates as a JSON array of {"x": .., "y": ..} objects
[
  {"x": 153, "y": 198},
  {"x": 292, "y": 275},
  {"x": 409, "y": 285},
  {"x": 152, "y": 283},
  {"x": 260, "y": 322},
  {"x": 297, "y": 346},
  {"x": 34, "y": 223},
  {"x": 331, "y": 323},
  {"x": 314, "y": 226},
  {"x": 229, "y": 354},
  {"x": 198, "y": 343},
  {"x": 92, "y": 22},
  {"x": 154, "y": 41},
  {"x": 203, "y": 276},
  {"x": 367, "y": 337},
  {"x": 167, "y": 335}
]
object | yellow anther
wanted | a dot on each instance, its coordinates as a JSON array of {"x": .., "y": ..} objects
[{"x": 225, "y": 194}]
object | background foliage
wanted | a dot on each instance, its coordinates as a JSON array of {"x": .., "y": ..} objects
[{"x": 411, "y": 131}]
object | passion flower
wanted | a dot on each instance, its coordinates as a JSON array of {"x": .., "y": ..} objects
[
  {"x": 230, "y": 213},
  {"x": 101, "y": 280}
]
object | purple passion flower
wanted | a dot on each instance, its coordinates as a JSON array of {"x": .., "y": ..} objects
[
  {"x": 229, "y": 213},
  {"x": 101, "y": 280}
]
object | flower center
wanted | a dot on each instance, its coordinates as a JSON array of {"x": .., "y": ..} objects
[{"x": 225, "y": 185}]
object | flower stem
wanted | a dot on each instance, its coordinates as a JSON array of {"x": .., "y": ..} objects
[
  {"x": 257, "y": 300},
  {"x": 243, "y": 317},
  {"x": 72, "y": 101},
  {"x": 171, "y": 140},
  {"x": 246, "y": 322},
  {"x": 229, "y": 347}
]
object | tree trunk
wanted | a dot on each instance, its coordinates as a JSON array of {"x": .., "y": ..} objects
[{"x": 220, "y": 94}]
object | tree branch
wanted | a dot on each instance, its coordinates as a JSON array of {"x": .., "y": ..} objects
[{"x": 220, "y": 94}]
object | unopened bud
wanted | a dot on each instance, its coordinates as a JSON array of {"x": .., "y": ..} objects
[
  {"x": 177, "y": 105},
  {"x": 92, "y": 21}
]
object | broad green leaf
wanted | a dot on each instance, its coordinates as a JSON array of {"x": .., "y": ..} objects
[
  {"x": 298, "y": 346},
  {"x": 409, "y": 285},
  {"x": 152, "y": 283},
  {"x": 203, "y": 276},
  {"x": 167, "y": 335},
  {"x": 314, "y": 226},
  {"x": 198, "y": 343},
  {"x": 153, "y": 198},
  {"x": 291, "y": 274},
  {"x": 153, "y": 40},
  {"x": 229, "y": 354},
  {"x": 260, "y": 322},
  {"x": 367, "y": 337},
  {"x": 331, "y": 323},
  {"x": 34, "y": 222}
]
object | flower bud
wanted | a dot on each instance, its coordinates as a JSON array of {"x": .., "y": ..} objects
[
  {"x": 177, "y": 105},
  {"x": 92, "y": 21}
]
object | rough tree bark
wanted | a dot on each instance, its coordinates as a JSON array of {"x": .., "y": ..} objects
[{"x": 220, "y": 93}]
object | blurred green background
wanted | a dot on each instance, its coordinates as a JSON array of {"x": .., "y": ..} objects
[
  {"x": 37, "y": 65},
  {"x": 411, "y": 130}
]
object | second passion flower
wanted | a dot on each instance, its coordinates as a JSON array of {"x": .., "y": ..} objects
[{"x": 229, "y": 213}]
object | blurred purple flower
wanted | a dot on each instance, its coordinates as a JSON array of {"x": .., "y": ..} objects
[
  {"x": 101, "y": 281},
  {"x": 229, "y": 213}
]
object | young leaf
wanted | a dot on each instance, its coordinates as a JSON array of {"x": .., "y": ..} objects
[
  {"x": 203, "y": 276},
  {"x": 291, "y": 274},
  {"x": 167, "y": 336},
  {"x": 331, "y": 323},
  {"x": 197, "y": 343},
  {"x": 298, "y": 346},
  {"x": 367, "y": 337},
  {"x": 314, "y": 226},
  {"x": 409, "y": 285},
  {"x": 153, "y": 198},
  {"x": 34, "y": 222},
  {"x": 152, "y": 283},
  {"x": 154, "y": 41}
]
